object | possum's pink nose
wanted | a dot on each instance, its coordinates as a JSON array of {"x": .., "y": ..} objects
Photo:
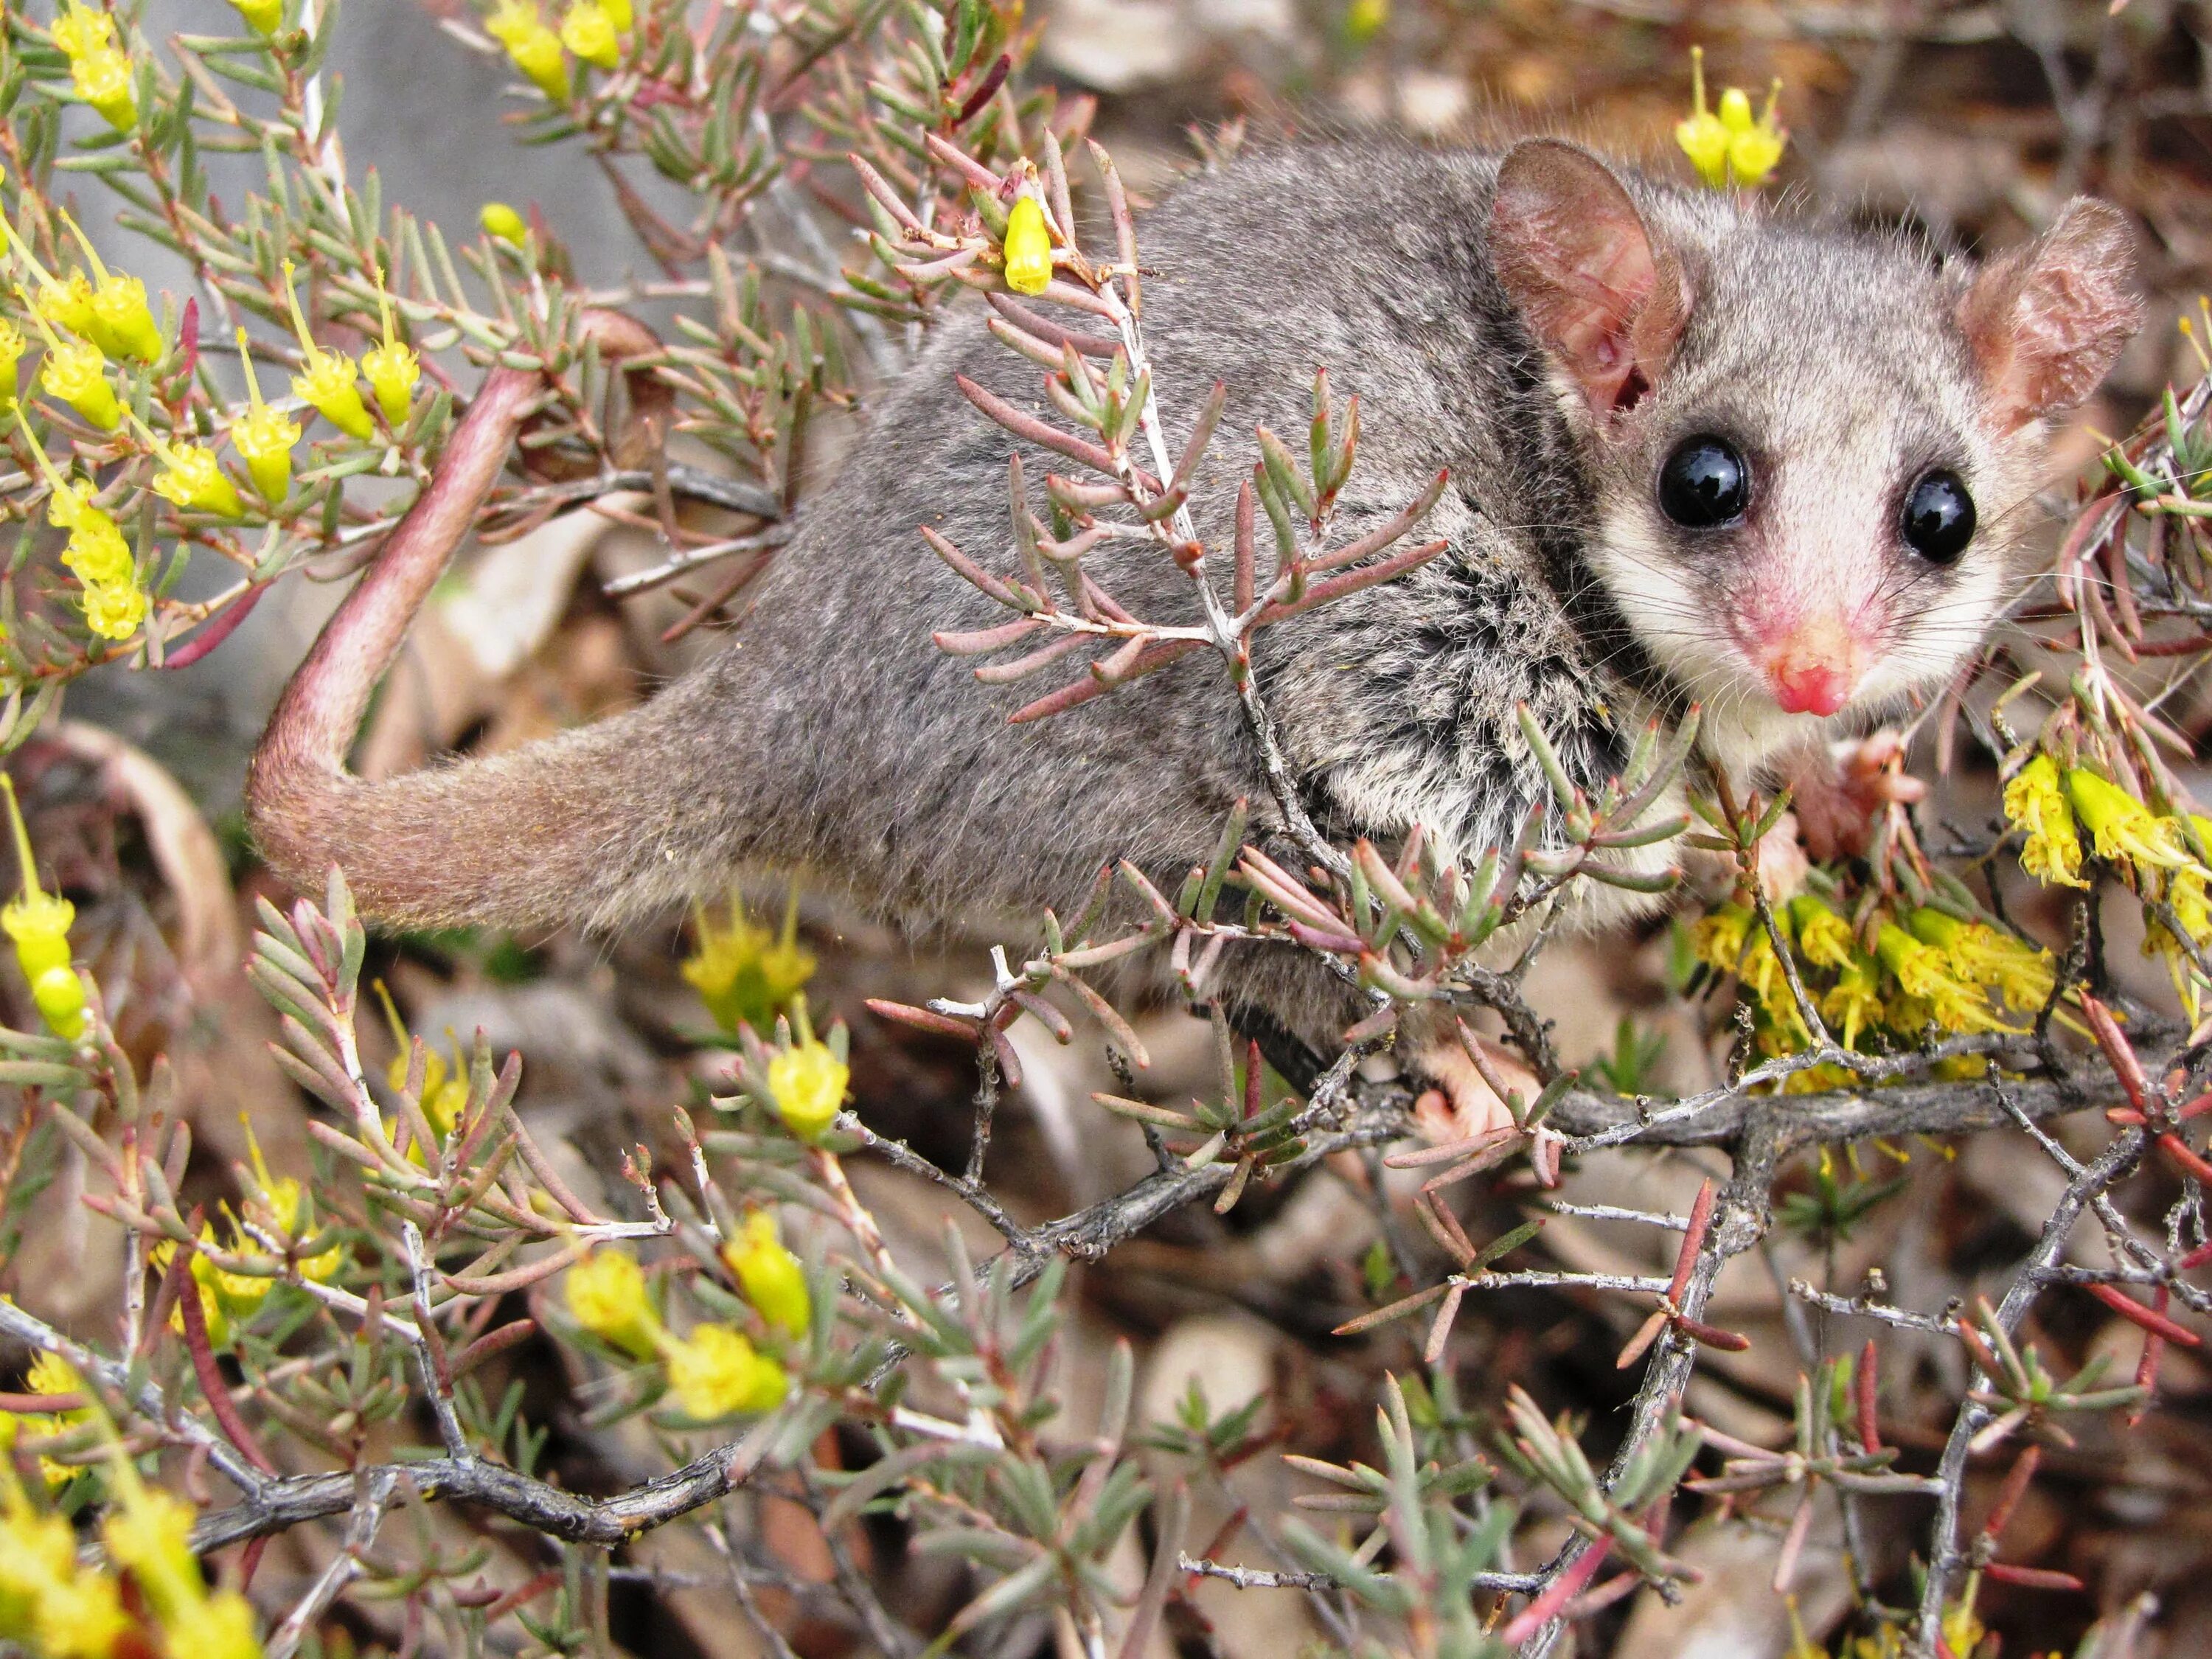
[{"x": 1814, "y": 668}]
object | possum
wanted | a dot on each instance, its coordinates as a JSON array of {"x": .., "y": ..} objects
[{"x": 1700, "y": 454}]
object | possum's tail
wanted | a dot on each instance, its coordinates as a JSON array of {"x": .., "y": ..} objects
[{"x": 528, "y": 838}]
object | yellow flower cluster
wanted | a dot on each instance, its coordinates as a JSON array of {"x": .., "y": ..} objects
[
  {"x": 50, "y": 1374},
  {"x": 99, "y": 68},
  {"x": 274, "y": 1203},
  {"x": 444, "y": 1085},
  {"x": 746, "y": 975},
  {"x": 59, "y": 1607},
  {"x": 2152, "y": 850},
  {"x": 715, "y": 1371},
  {"x": 39, "y": 924},
  {"x": 96, "y": 554},
  {"x": 1731, "y": 147},
  {"x": 1926, "y": 966},
  {"x": 592, "y": 29}
]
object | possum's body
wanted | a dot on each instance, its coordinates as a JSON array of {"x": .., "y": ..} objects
[{"x": 830, "y": 734}]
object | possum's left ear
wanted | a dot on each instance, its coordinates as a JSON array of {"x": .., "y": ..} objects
[
  {"x": 2047, "y": 321},
  {"x": 1606, "y": 299}
]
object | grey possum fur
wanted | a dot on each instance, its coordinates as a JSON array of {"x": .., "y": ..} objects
[{"x": 1544, "y": 325}]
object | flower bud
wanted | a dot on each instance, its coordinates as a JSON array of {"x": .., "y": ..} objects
[
  {"x": 39, "y": 924},
  {"x": 1028, "y": 247},
  {"x": 503, "y": 221}
]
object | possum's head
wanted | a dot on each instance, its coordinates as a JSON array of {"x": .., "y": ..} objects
[{"x": 1814, "y": 454}]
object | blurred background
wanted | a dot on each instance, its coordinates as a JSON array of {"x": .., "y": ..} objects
[{"x": 1965, "y": 122}]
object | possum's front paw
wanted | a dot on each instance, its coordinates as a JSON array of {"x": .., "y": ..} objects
[
  {"x": 1840, "y": 795},
  {"x": 1462, "y": 1104}
]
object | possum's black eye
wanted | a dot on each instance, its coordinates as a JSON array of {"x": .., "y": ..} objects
[
  {"x": 1939, "y": 517},
  {"x": 1704, "y": 484}
]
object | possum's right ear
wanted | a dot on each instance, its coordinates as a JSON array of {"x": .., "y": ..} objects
[{"x": 1606, "y": 300}]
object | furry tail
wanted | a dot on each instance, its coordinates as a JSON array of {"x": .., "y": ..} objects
[{"x": 517, "y": 840}]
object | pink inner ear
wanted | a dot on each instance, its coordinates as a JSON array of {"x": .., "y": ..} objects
[
  {"x": 1573, "y": 253},
  {"x": 2047, "y": 321}
]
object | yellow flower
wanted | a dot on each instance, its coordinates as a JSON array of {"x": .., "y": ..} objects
[
  {"x": 218, "y": 1626},
  {"x": 1854, "y": 1002},
  {"x": 263, "y": 16},
  {"x": 2126, "y": 829},
  {"x": 122, "y": 323},
  {"x": 746, "y": 975},
  {"x": 2021, "y": 972},
  {"x": 284, "y": 1200},
  {"x": 12, "y": 346},
  {"x": 263, "y": 437},
  {"x": 75, "y": 371},
  {"x": 1028, "y": 247},
  {"x": 445, "y": 1088},
  {"x": 715, "y": 1372},
  {"x": 535, "y": 49},
  {"x": 807, "y": 1084},
  {"x": 2185, "y": 895},
  {"x": 606, "y": 1297},
  {"x": 80, "y": 1617},
  {"x": 589, "y": 33},
  {"x": 1754, "y": 148},
  {"x": 503, "y": 221},
  {"x": 192, "y": 480},
  {"x": 39, "y": 923},
  {"x": 328, "y": 385},
  {"x": 83, "y": 30},
  {"x": 115, "y": 605},
  {"x": 1702, "y": 137},
  {"x": 52, "y": 1374},
  {"x": 2035, "y": 801},
  {"x": 618, "y": 13},
  {"x": 391, "y": 367},
  {"x": 115, "y": 610},
  {"x": 1926, "y": 976},
  {"x": 1824, "y": 939},
  {"x": 54, "y": 1474},
  {"x": 774, "y": 1280},
  {"x": 1364, "y": 19},
  {"x": 150, "y": 1532},
  {"x": 103, "y": 79},
  {"x": 64, "y": 302},
  {"x": 1719, "y": 940}
]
